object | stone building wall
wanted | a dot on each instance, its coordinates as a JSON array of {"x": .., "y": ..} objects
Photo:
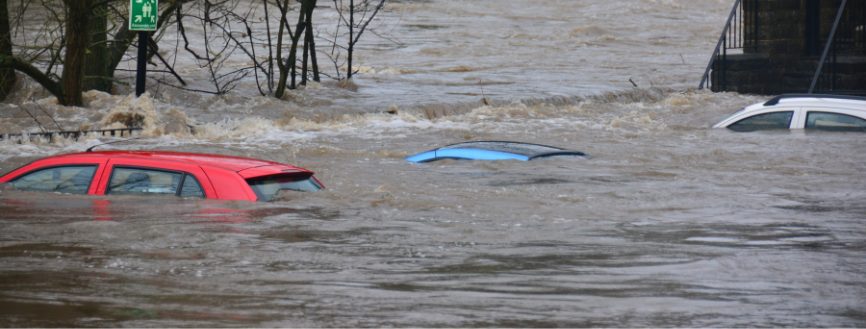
[{"x": 782, "y": 44}]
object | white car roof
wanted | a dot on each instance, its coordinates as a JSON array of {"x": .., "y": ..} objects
[
  {"x": 824, "y": 102},
  {"x": 812, "y": 100},
  {"x": 848, "y": 102}
]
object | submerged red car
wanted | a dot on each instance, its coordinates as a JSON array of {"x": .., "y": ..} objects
[{"x": 160, "y": 172}]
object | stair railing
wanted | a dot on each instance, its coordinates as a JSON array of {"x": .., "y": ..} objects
[{"x": 740, "y": 32}]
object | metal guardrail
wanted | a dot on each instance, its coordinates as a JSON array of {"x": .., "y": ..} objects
[
  {"x": 740, "y": 32},
  {"x": 51, "y": 136}
]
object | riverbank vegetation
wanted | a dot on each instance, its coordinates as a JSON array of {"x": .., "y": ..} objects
[{"x": 72, "y": 46}]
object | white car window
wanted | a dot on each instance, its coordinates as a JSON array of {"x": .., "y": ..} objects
[
  {"x": 834, "y": 121},
  {"x": 772, "y": 120}
]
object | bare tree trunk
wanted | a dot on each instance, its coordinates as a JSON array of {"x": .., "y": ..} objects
[
  {"x": 309, "y": 44},
  {"x": 97, "y": 73},
  {"x": 288, "y": 67},
  {"x": 7, "y": 75},
  {"x": 312, "y": 40},
  {"x": 40, "y": 77},
  {"x": 293, "y": 52},
  {"x": 356, "y": 30},
  {"x": 270, "y": 49},
  {"x": 351, "y": 38},
  {"x": 306, "y": 58},
  {"x": 281, "y": 83},
  {"x": 76, "y": 46}
]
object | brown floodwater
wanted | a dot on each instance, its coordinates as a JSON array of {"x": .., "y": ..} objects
[{"x": 669, "y": 223}]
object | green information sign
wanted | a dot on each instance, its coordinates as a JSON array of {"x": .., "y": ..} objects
[{"x": 142, "y": 15}]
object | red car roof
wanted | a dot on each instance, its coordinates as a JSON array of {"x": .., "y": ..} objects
[{"x": 221, "y": 161}]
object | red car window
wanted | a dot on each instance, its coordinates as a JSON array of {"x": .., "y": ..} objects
[
  {"x": 73, "y": 179},
  {"x": 143, "y": 181},
  {"x": 191, "y": 188},
  {"x": 153, "y": 181}
]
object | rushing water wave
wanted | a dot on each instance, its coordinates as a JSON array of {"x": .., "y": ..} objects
[{"x": 668, "y": 224}]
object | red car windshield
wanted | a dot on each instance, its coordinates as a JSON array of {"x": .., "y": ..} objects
[{"x": 266, "y": 188}]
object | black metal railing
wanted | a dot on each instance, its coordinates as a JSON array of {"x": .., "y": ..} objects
[
  {"x": 52, "y": 136},
  {"x": 740, "y": 32},
  {"x": 847, "y": 37},
  {"x": 851, "y": 35}
]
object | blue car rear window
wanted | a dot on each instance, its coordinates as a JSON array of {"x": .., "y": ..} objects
[{"x": 508, "y": 147}]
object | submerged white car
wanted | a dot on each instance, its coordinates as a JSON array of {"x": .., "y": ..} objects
[{"x": 804, "y": 111}]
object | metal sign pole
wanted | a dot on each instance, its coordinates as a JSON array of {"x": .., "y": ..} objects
[
  {"x": 142, "y": 18},
  {"x": 141, "y": 71}
]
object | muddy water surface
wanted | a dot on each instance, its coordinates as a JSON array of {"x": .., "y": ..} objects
[{"x": 668, "y": 224}]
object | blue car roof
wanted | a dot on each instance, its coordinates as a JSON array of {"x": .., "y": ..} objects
[{"x": 492, "y": 150}]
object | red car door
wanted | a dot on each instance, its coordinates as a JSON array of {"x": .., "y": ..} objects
[
  {"x": 121, "y": 165},
  {"x": 60, "y": 162}
]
